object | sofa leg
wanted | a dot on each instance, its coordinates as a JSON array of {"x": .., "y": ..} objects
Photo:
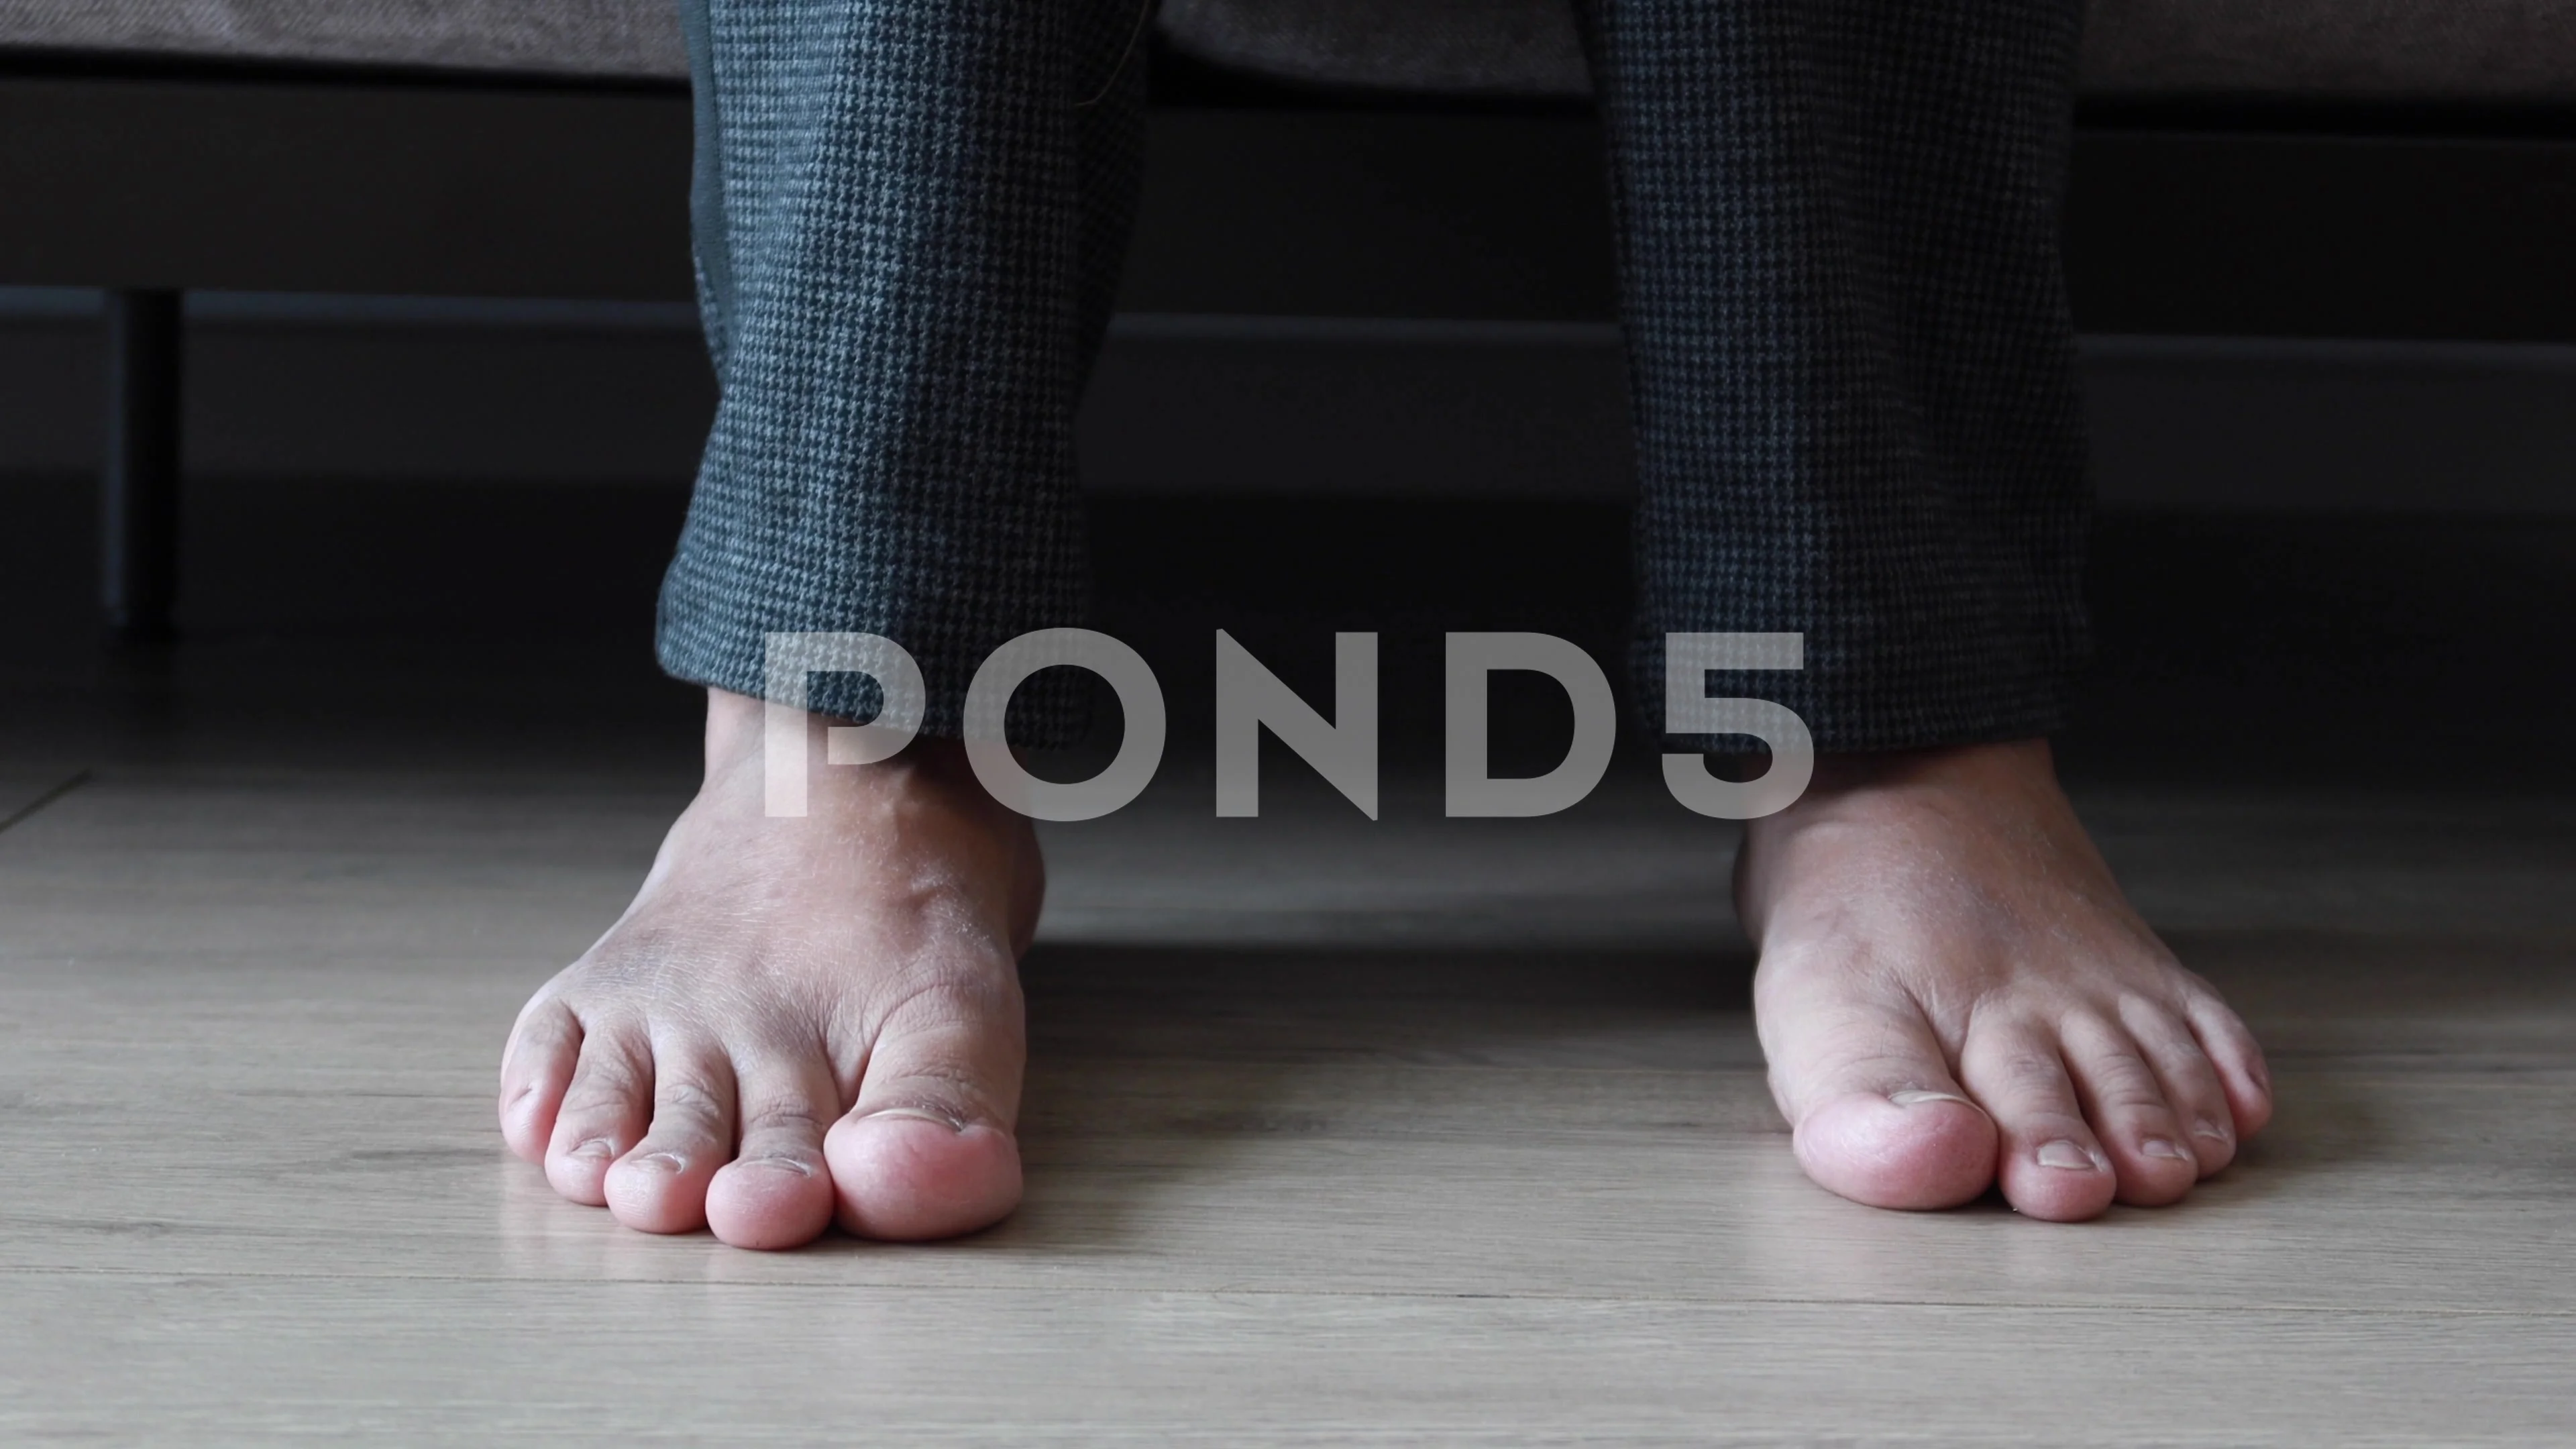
[{"x": 139, "y": 492}]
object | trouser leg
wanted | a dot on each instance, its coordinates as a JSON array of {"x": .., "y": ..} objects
[
  {"x": 909, "y": 216},
  {"x": 1852, "y": 364}
]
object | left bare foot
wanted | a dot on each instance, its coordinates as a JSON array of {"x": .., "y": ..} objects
[{"x": 1954, "y": 993}]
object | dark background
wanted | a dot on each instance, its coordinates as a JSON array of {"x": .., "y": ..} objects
[
  {"x": 2419, "y": 646},
  {"x": 435, "y": 524}
]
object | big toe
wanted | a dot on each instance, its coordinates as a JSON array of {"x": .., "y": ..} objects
[
  {"x": 927, "y": 1151},
  {"x": 905, "y": 1175},
  {"x": 1878, "y": 1117},
  {"x": 1906, "y": 1147}
]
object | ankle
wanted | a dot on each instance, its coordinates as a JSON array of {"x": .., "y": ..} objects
[
  {"x": 926, "y": 799},
  {"x": 1968, "y": 766},
  {"x": 737, "y": 735}
]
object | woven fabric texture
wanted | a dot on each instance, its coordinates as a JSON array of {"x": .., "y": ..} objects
[
  {"x": 909, "y": 221},
  {"x": 1851, "y": 360},
  {"x": 1853, "y": 369}
]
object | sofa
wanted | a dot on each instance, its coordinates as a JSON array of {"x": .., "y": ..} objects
[
  {"x": 2497, "y": 52},
  {"x": 2351, "y": 168}
]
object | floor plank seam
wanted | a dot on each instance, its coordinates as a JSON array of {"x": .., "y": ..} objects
[
  {"x": 2319, "y": 1310},
  {"x": 28, "y": 811}
]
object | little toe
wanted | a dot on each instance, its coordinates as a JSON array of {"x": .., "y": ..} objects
[
  {"x": 2050, "y": 1163},
  {"x": 2150, "y": 1149},
  {"x": 605, "y": 1108},
  {"x": 1876, "y": 1114},
  {"x": 777, "y": 1191},
  {"x": 927, "y": 1150},
  {"x": 660, "y": 1186},
  {"x": 535, "y": 1069},
  {"x": 2242, "y": 1072},
  {"x": 2190, "y": 1083}
]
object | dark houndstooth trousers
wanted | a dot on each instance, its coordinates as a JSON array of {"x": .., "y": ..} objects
[{"x": 1851, "y": 361}]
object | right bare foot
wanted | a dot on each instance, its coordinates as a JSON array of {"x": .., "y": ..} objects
[{"x": 798, "y": 1017}]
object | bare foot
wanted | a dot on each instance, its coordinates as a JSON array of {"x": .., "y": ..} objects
[
  {"x": 1953, "y": 993},
  {"x": 797, "y": 1018}
]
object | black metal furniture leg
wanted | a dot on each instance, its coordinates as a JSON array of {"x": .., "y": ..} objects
[{"x": 139, "y": 492}]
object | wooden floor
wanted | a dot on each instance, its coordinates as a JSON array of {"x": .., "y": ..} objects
[{"x": 1303, "y": 1168}]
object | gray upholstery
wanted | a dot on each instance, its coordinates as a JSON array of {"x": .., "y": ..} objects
[
  {"x": 622, "y": 39},
  {"x": 2291, "y": 50},
  {"x": 2498, "y": 51},
  {"x": 2468, "y": 50},
  {"x": 1458, "y": 47}
]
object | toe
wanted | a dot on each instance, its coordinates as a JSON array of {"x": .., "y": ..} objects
[
  {"x": 1877, "y": 1116},
  {"x": 2242, "y": 1073},
  {"x": 927, "y": 1150},
  {"x": 2049, "y": 1162},
  {"x": 605, "y": 1107},
  {"x": 777, "y": 1192},
  {"x": 2124, "y": 1100},
  {"x": 2190, "y": 1082},
  {"x": 535, "y": 1069},
  {"x": 660, "y": 1185}
]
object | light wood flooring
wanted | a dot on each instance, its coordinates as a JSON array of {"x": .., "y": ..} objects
[{"x": 1338, "y": 1133}]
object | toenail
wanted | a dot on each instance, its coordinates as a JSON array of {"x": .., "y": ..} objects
[
  {"x": 2214, "y": 1131},
  {"x": 2164, "y": 1147},
  {"x": 595, "y": 1147},
  {"x": 923, "y": 1114},
  {"x": 1915, "y": 1097},
  {"x": 2072, "y": 1156},
  {"x": 796, "y": 1165},
  {"x": 662, "y": 1161}
]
